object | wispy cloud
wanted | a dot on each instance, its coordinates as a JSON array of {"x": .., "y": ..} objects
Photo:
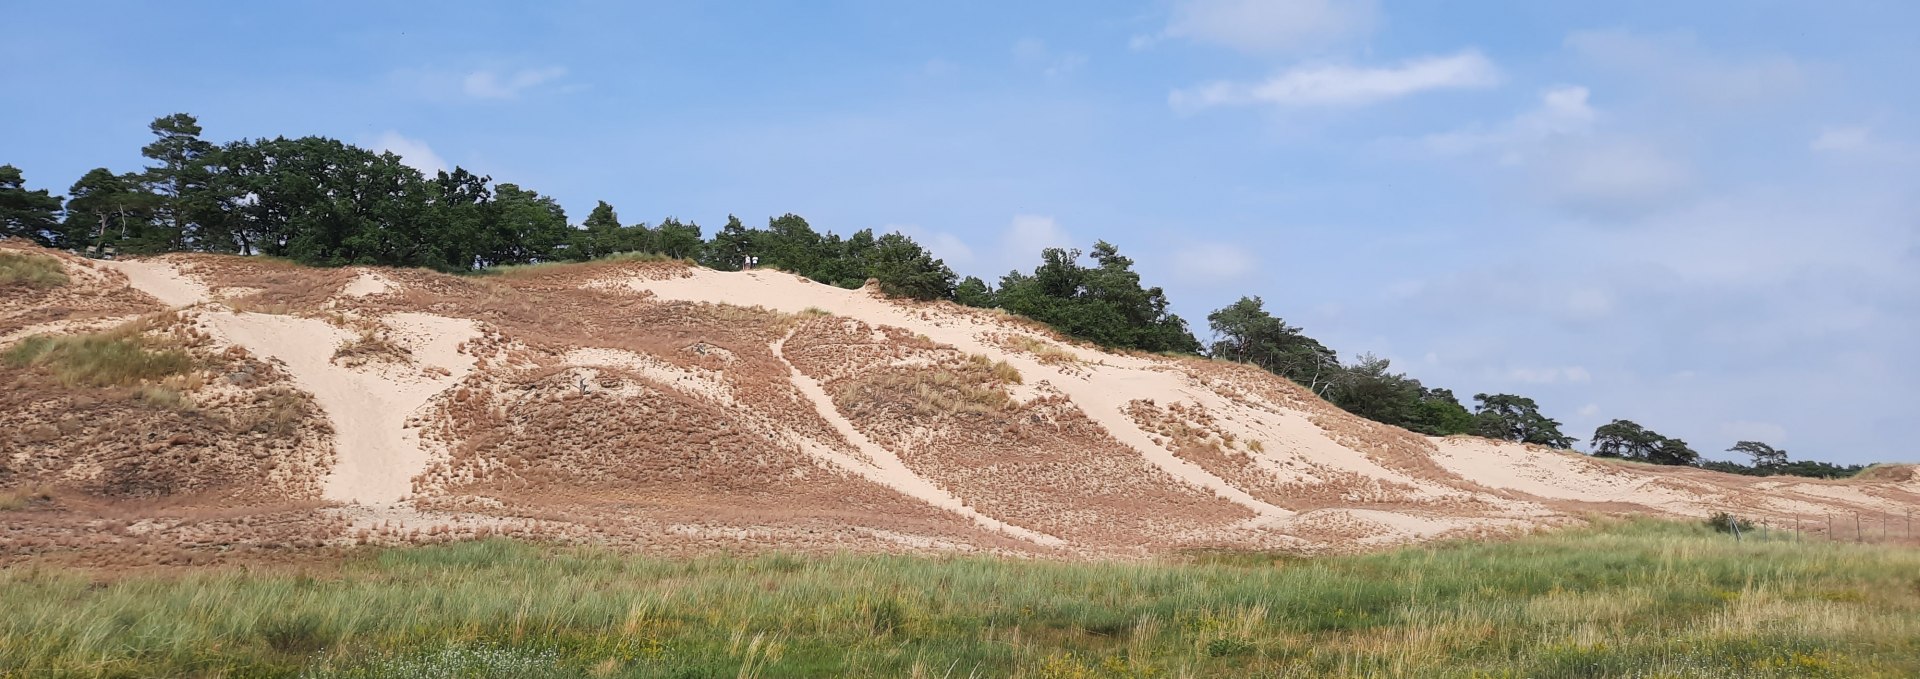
[
  {"x": 1682, "y": 68},
  {"x": 1034, "y": 53},
  {"x": 1842, "y": 139},
  {"x": 1562, "y": 111},
  {"x": 1265, "y": 25},
  {"x": 1335, "y": 85},
  {"x": 489, "y": 84},
  {"x": 413, "y": 152}
]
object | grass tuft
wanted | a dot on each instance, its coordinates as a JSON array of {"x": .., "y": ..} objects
[
  {"x": 31, "y": 270},
  {"x": 119, "y": 357}
]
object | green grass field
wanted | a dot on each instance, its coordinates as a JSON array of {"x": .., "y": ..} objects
[{"x": 1632, "y": 599}]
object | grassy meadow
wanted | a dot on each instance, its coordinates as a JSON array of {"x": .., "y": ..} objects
[{"x": 1624, "y": 599}]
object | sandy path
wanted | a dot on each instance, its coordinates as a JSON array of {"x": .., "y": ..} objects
[
  {"x": 1102, "y": 394},
  {"x": 885, "y": 468},
  {"x": 376, "y": 456}
]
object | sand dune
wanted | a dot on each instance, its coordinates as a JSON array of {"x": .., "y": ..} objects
[{"x": 682, "y": 408}]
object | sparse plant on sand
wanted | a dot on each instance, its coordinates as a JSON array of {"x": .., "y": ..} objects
[
  {"x": 1044, "y": 352},
  {"x": 371, "y": 345}
]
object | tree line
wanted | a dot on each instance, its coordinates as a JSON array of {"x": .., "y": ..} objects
[{"x": 323, "y": 202}]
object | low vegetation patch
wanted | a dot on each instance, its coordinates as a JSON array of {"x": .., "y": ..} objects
[
  {"x": 1042, "y": 351},
  {"x": 521, "y": 270},
  {"x": 120, "y": 357},
  {"x": 1638, "y": 599},
  {"x": 975, "y": 385},
  {"x": 31, "y": 270},
  {"x": 371, "y": 345}
]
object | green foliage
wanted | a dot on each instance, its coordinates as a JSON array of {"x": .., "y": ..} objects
[
  {"x": 1764, "y": 456},
  {"x": 1722, "y": 522},
  {"x": 1516, "y": 418},
  {"x": 33, "y": 215},
  {"x": 1245, "y": 332},
  {"x": 676, "y": 239},
  {"x": 1104, "y": 304},
  {"x": 904, "y": 269},
  {"x": 108, "y": 209},
  {"x": 1807, "y": 468},
  {"x": 974, "y": 292},
  {"x": 1369, "y": 389},
  {"x": 120, "y": 357},
  {"x": 1627, "y": 440},
  {"x": 177, "y": 180},
  {"x": 30, "y": 270},
  {"x": 729, "y": 248},
  {"x": 1620, "y": 600}
]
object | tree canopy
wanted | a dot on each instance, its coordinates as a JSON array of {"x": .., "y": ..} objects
[
  {"x": 34, "y": 215},
  {"x": 1518, "y": 419},
  {"x": 1627, "y": 440},
  {"x": 1104, "y": 304}
]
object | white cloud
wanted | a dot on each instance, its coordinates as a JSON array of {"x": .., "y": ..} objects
[
  {"x": 1563, "y": 111},
  {"x": 1212, "y": 262},
  {"x": 1573, "y": 374},
  {"x": 1035, "y": 53},
  {"x": 1589, "y": 410},
  {"x": 1023, "y": 240},
  {"x": 1679, "y": 64},
  {"x": 946, "y": 246},
  {"x": 1340, "y": 85},
  {"x": 1842, "y": 139},
  {"x": 1266, "y": 25},
  {"x": 1614, "y": 178},
  {"x": 487, "y": 84},
  {"x": 413, "y": 152}
]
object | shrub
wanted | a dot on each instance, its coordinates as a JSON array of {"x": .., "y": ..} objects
[
  {"x": 1728, "y": 523},
  {"x": 31, "y": 270}
]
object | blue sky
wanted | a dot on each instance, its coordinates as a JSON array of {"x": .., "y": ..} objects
[{"x": 1701, "y": 216}]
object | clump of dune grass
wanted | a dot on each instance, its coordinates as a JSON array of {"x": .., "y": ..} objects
[
  {"x": 123, "y": 356},
  {"x": 1046, "y": 353},
  {"x": 371, "y": 345},
  {"x": 31, "y": 270},
  {"x": 975, "y": 385},
  {"x": 1622, "y": 599}
]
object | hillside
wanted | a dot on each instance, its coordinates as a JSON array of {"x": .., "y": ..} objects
[{"x": 673, "y": 408}]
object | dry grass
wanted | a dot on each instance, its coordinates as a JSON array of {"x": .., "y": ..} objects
[
  {"x": 1042, "y": 351},
  {"x": 31, "y": 270},
  {"x": 371, "y": 345},
  {"x": 547, "y": 268},
  {"x": 938, "y": 391},
  {"x": 123, "y": 356}
]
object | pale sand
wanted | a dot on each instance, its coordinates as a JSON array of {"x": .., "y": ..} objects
[
  {"x": 376, "y": 455},
  {"x": 367, "y": 283}
]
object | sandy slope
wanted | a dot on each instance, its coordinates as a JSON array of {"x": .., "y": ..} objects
[
  {"x": 649, "y": 404},
  {"x": 376, "y": 456}
]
